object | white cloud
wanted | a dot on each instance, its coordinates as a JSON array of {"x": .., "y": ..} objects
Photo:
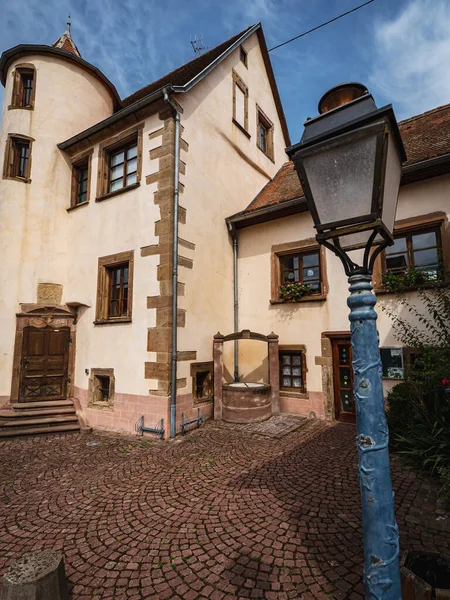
[{"x": 411, "y": 57}]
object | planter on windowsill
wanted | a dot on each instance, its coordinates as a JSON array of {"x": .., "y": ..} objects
[
  {"x": 409, "y": 279},
  {"x": 294, "y": 292}
]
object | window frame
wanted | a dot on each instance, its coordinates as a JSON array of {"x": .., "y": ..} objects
[
  {"x": 93, "y": 401},
  {"x": 106, "y": 150},
  {"x": 105, "y": 265},
  {"x": 263, "y": 119},
  {"x": 18, "y": 88},
  {"x": 420, "y": 224},
  {"x": 408, "y": 235},
  {"x": 243, "y": 56},
  {"x": 401, "y": 350},
  {"x": 12, "y": 139},
  {"x": 293, "y": 350},
  {"x": 110, "y": 269},
  {"x": 77, "y": 162},
  {"x": 238, "y": 82},
  {"x": 197, "y": 368},
  {"x": 301, "y": 248}
]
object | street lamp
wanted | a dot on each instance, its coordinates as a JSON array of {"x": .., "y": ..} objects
[{"x": 349, "y": 163}]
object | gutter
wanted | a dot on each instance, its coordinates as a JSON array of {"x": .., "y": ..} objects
[
  {"x": 243, "y": 219},
  {"x": 176, "y": 176},
  {"x": 233, "y": 232},
  {"x": 425, "y": 164}
]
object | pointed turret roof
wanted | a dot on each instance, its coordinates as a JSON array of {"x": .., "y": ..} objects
[{"x": 65, "y": 42}]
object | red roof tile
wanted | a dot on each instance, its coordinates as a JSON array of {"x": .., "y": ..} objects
[
  {"x": 424, "y": 136},
  {"x": 186, "y": 72}
]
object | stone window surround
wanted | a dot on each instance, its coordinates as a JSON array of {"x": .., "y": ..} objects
[
  {"x": 432, "y": 220},
  {"x": 202, "y": 367},
  {"x": 297, "y": 247},
  {"x": 108, "y": 146},
  {"x": 290, "y": 392},
  {"x": 16, "y": 73},
  {"x": 8, "y": 149},
  {"x": 75, "y": 162},
  {"x": 92, "y": 401},
  {"x": 261, "y": 117},
  {"x": 102, "y": 308},
  {"x": 238, "y": 82}
]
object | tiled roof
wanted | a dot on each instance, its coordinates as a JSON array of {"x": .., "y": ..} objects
[
  {"x": 186, "y": 72},
  {"x": 424, "y": 136},
  {"x": 65, "y": 42}
]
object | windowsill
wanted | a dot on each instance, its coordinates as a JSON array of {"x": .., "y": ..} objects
[
  {"x": 11, "y": 107},
  {"x": 101, "y": 406},
  {"x": 311, "y": 298},
  {"x": 422, "y": 286},
  {"x": 201, "y": 401},
  {"x": 113, "y": 321},
  {"x": 109, "y": 195},
  {"x": 239, "y": 126},
  {"x": 285, "y": 393},
  {"x": 265, "y": 154},
  {"x": 77, "y": 206},
  {"x": 21, "y": 179}
]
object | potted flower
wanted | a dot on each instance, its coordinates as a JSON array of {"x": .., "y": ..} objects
[
  {"x": 293, "y": 292},
  {"x": 400, "y": 281},
  {"x": 446, "y": 384}
]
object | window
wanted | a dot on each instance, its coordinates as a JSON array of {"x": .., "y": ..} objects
[
  {"x": 418, "y": 250},
  {"x": 118, "y": 291},
  {"x": 202, "y": 382},
  {"x": 120, "y": 162},
  {"x": 240, "y": 103},
  {"x": 392, "y": 363},
  {"x": 243, "y": 55},
  {"x": 23, "y": 88},
  {"x": 292, "y": 370},
  {"x": 123, "y": 167},
  {"x": 264, "y": 139},
  {"x": 115, "y": 288},
  {"x": 302, "y": 263},
  {"x": 17, "y": 158},
  {"x": 81, "y": 179},
  {"x": 101, "y": 389},
  {"x": 301, "y": 268}
]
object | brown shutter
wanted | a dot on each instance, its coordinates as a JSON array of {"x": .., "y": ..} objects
[
  {"x": 17, "y": 84},
  {"x": 12, "y": 158}
]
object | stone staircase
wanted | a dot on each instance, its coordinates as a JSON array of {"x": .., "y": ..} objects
[{"x": 33, "y": 418}]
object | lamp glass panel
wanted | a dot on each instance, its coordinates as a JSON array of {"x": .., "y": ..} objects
[
  {"x": 391, "y": 185},
  {"x": 341, "y": 179}
]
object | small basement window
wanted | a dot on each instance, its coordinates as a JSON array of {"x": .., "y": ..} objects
[
  {"x": 101, "y": 389},
  {"x": 392, "y": 363},
  {"x": 202, "y": 382}
]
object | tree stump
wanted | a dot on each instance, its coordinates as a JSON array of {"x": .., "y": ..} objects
[{"x": 36, "y": 576}]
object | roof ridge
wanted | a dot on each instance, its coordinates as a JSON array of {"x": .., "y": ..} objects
[
  {"x": 197, "y": 60},
  {"x": 426, "y": 113}
]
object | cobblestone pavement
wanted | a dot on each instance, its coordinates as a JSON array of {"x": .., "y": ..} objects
[{"x": 221, "y": 513}]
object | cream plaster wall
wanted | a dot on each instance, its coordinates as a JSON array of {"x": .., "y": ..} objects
[
  {"x": 303, "y": 323},
  {"x": 220, "y": 180},
  {"x": 33, "y": 217},
  {"x": 121, "y": 223}
]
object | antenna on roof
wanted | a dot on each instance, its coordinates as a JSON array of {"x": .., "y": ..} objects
[{"x": 197, "y": 45}]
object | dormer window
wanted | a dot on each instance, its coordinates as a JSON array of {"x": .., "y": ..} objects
[{"x": 24, "y": 88}]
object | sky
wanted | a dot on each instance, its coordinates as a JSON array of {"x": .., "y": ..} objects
[{"x": 400, "y": 49}]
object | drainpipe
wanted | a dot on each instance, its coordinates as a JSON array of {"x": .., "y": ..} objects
[
  {"x": 234, "y": 235},
  {"x": 173, "y": 382}
]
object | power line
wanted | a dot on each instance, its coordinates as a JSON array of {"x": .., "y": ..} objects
[{"x": 322, "y": 25}]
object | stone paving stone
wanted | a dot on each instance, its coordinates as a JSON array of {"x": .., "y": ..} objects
[{"x": 224, "y": 512}]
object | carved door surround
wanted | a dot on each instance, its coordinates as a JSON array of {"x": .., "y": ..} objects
[{"x": 42, "y": 316}]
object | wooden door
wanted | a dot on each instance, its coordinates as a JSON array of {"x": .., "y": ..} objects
[
  {"x": 45, "y": 357},
  {"x": 343, "y": 380}
]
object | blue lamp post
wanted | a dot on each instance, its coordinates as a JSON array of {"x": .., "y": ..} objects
[{"x": 349, "y": 163}]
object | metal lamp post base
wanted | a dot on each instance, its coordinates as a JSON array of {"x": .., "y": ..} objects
[{"x": 381, "y": 539}]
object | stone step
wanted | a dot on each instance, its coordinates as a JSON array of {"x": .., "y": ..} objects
[
  {"x": 36, "y": 405},
  {"x": 49, "y": 421},
  {"x": 13, "y": 414},
  {"x": 16, "y": 432}
]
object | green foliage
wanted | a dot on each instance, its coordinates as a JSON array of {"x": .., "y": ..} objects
[
  {"x": 293, "y": 292},
  {"x": 401, "y": 281},
  {"x": 419, "y": 408}
]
